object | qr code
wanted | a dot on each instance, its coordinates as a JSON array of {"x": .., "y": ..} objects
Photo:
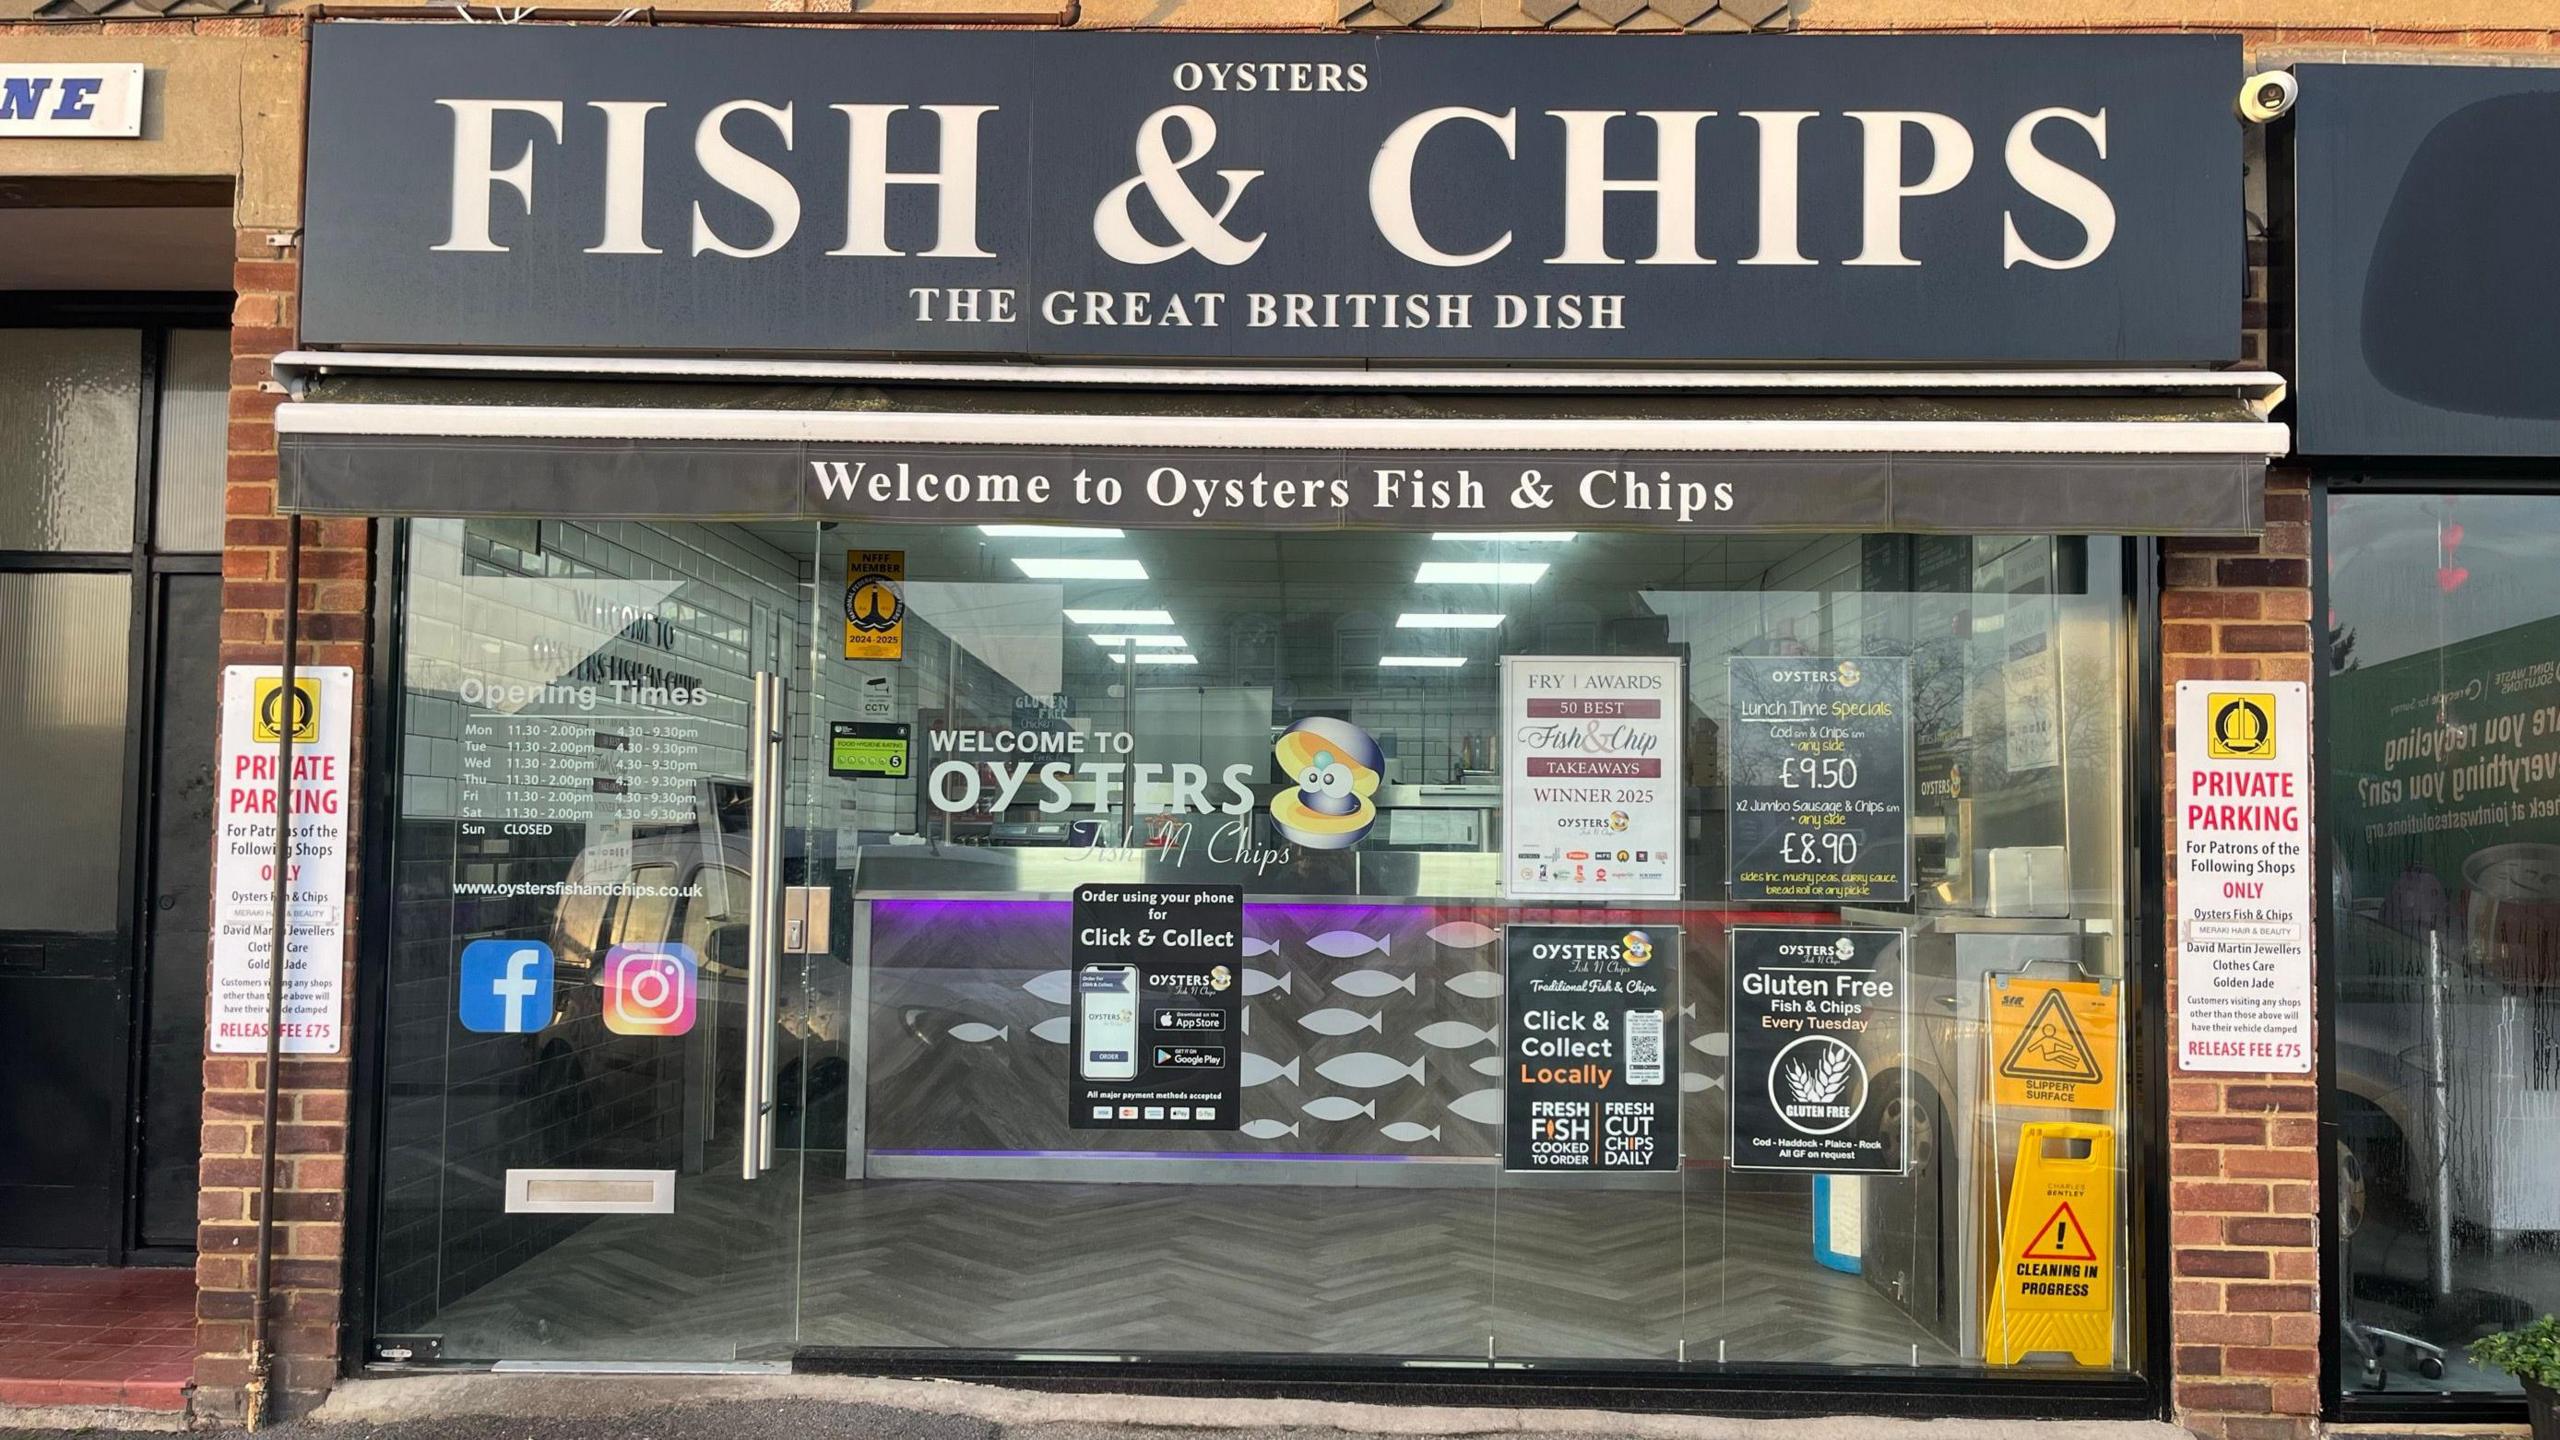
[{"x": 1644, "y": 1047}]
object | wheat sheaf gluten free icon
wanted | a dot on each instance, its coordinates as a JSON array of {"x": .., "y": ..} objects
[{"x": 1825, "y": 1085}]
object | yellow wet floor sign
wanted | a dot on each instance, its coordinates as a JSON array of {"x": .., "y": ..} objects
[
  {"x": 2057, "y": 1249},
  {"x": 2054, "y": 1042}
]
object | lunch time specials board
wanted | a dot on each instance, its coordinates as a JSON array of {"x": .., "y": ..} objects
[
  {"x": 1820, "y": 781},
  {"x": 1591, "y": 777},
  {"x": 1590, "y": 1071}
]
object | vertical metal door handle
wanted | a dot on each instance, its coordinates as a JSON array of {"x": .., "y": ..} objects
[
  {"x": 759, "y": 889},
  {"x": 777, "y": 709}
]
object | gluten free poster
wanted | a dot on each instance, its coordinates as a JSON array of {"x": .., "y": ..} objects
[{"x": 1591, "y": 779}]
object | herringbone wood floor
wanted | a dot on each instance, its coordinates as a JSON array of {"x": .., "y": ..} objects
[{"x": 1279, "y": 1270}]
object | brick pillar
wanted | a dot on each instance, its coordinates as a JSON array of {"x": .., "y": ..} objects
[
  {"x": 311, "y": 1175},
  {"x": 2244, "y": 1150}
]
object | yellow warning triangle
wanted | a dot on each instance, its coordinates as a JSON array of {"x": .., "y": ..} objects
[
  {"x": 2051, "y": 1047},
  {"x": 2061, "y": 1237}
]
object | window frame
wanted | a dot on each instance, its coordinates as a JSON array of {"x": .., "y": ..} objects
[{"x": 2337, "y": 1402}]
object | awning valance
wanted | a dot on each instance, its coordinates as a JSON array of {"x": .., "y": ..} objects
[{"x": 1341, "y": 453}]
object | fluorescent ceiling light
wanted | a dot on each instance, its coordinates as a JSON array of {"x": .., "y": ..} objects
[
  {"x": 1059, "y": 532},
  {"x": 1166, "y": 641},
  {"x": 1513, "y": 537},
  {"x": 1421, "y": 662},
  {"x": 1158, "y": 657},
  {"x": 1052, "y": 567},
  {"x": 1438, "y": 621},
  {"x": 1120, "y": 617},
  {"x": 1480, "y": 572}
]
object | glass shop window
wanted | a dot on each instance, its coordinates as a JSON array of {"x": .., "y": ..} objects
[
  {"x": 1852, "y": 808},
  {"x": 2440, "y": 730}
]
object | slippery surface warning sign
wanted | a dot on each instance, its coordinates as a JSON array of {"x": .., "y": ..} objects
[
  {"x": 2056, "y": 1295},
  {"x": 2053, "y": 1042}
]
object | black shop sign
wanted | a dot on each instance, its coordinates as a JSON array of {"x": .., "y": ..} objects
[
  {"x": 1591, "y": 1065},
  {"x": 1157, "y": 973},
  {"x": 1820, "y": 780},
  {"x": 1819, "y": 1018},
  {"x": 2046, "y": 199}
]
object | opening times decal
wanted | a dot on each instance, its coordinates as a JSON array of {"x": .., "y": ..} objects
[
  {"x": 1590, "y": 1066},
  {"x": 1819, "y": 1018},
  {"x": 1820, "y": 780},
  {"x": 1156, "y": 1029},
  {"x": 1592, "y": 777}
]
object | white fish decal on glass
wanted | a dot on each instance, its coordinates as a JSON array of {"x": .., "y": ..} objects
[
  {"x": 1408, "y": 1132},
  {"x": 1487, "y": 1065},
  {"x": 1253, "y": 945},
  {"x": 1370, "y": 984},
  {"x": 1348, "y": 944},
  {"x": 1689, "y": 1011},
  {"x": 1244, "y": 1020},
  {"x": 1054, "y": 1029},
  {"x": 1463, "y": 935},
  {"x": 1482, "y": 1106},
  {"x": 1367, "y": 1070},
  {"x": 1336, "y": 1107},
  {"x": 1693, "y": 1081},
  {"x": 978, "y": 1032},
  {"x": 1267, "y": 1129},
  {"x": 1049, "y": 985},
  {"x": 1714, "y": 1042},
  {"x": 1260, "y": 1070},
  {"x": 1476, "y": 984},
  {"x": 1259, "y": 982},
  {"x": 1452, "y": 1034},
  {"x": 1343, "y": 1022}
]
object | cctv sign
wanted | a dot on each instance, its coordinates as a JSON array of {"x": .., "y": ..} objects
[
  {"x": 316, "y": 791},
  {"x": 71, "y": 101}
]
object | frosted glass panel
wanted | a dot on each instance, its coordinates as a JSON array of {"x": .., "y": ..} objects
[
  {"x": 195, "y": 404},
  {"x": 62, "y": 715},
  {"x": 70, "y": 417}
]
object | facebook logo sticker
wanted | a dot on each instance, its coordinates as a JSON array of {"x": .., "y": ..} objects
[{"x": 506, "y": 986}]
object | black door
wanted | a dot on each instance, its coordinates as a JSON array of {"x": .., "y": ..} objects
[
  {"x": 113, "y": 417},
  {"x": 65, "y": 960},
  {"x": 177, "y": 904}
]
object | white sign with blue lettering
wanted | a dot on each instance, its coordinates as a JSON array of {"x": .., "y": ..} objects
[{"x": 71, "y": 100}]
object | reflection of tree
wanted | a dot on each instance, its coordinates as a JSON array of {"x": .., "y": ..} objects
[{"x": 2342, "y": 650}]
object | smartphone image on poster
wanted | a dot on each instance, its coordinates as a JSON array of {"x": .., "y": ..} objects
[{"x": 1107, "y": 1021}]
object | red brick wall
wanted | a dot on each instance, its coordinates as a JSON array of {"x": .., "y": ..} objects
[
  {"x": 2244, "y": 1150},
  {"x": 311, "y": 1131}
]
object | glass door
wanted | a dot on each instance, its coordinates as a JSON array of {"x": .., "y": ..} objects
[{"x": 588, "y": 1150}]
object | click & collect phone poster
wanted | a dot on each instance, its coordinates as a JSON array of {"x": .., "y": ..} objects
[{"x": 1158, "y": 987}]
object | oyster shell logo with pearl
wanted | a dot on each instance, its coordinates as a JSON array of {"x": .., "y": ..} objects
[{"x": 1335, "y": 766}]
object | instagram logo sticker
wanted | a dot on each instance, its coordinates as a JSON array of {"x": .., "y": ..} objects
[{"x": 649, "y": 989}]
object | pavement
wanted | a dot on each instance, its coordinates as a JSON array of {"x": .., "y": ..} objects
[{"x": 731, "y": 1407}]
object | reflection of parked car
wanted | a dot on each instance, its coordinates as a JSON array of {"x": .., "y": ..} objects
[
  {"x": 688, "y": 885},
  {"x": 2448, "y": 1113}
]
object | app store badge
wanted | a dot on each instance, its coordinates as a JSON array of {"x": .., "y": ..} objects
[{"x": 650, "y": 989}]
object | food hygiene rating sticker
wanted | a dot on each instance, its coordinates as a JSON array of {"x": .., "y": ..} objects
[{"x": 1590, "y": 1073}]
